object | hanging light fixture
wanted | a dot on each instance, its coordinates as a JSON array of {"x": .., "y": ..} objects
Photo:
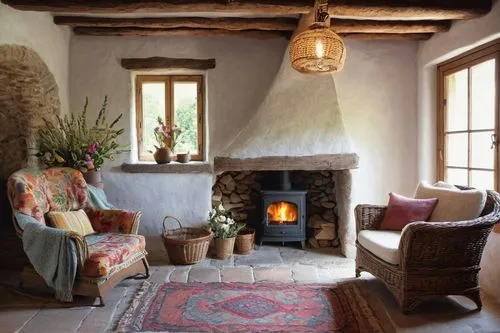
[{"x": 318, "y": 49}]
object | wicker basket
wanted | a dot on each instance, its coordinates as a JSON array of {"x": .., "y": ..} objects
[
  {"x": 245, "y": 241},
  {"x": 185, "y": 246}
]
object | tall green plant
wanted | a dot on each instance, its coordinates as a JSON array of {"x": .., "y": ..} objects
[{"x": 71, "y": 142}]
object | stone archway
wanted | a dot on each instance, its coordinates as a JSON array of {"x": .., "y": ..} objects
[{"x": 28, "y": 95}]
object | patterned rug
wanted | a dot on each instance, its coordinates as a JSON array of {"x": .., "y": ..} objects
[{"x": 238, "y": 307}]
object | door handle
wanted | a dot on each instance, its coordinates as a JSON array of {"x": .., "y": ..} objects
[{"x": 494, "y": 141}]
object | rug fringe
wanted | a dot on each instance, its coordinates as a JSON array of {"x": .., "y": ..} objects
[{"x": 120, "y": 325}]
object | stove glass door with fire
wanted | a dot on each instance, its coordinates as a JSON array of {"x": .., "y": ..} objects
[{"x": 283, "y": 216}]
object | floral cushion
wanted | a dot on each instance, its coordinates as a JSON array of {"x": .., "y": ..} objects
[
  {"x": 108, "y": 253},
  {"x": 113, "y": 220},
  {"x": 35, "y": 192}
]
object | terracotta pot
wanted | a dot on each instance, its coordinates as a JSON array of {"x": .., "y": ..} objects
[
  {"x": 224, "y": 247},
  {"x": 245, "y": 241},
  {"x": 94, "y": 177},
  {"x": 163, "y": 155}
]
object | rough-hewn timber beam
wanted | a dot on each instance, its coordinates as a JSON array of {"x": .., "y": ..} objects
[
  {"x": 363, "y": 36},
  {"x": 259, "y": 34},
  {"x": 233, "y": 23},
  {"x": 397, "y": 27},
  {"x": 280, "y": 7},
  {"x": 316, "y": 162},
  {"x": 281, "y": 24},
  {"x": 164, "y": 63},
  {"x": 416, "y": 9}
]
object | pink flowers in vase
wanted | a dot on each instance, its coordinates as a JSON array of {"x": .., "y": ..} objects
[{"x": 166, "y": 137}]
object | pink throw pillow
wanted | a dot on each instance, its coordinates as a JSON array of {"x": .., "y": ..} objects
[{"x": 402, "y": 210}]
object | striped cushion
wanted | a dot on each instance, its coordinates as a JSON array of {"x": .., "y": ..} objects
[{"x": 76, "y": 221}]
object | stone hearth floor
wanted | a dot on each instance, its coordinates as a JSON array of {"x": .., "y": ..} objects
[
  {"x": 270, "y": 264},
  {"x": 267, "y": 264}
]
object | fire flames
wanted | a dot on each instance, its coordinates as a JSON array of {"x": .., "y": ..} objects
[{"x": 282, "y": 212}]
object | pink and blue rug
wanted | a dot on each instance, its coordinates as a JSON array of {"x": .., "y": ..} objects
[{"x": 237, "y": 307}]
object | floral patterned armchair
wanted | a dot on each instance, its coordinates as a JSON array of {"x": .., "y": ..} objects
[{"x": 113, "y": 253}]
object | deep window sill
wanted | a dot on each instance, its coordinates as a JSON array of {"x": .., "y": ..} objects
[{"x": 172, "y": 167}]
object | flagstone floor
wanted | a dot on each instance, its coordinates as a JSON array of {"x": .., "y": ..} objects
[{"x": 270, "y": 264}]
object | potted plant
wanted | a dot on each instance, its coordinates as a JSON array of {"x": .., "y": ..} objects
[
  {"x": 225, "y": 230},
  {"x": 245, "y": 240},
  {"x": 166, "y": 138},
  {"x": 72, "y": 142}
]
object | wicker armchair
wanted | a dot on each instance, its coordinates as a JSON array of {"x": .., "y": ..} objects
[{"x": 435, "y": 258}]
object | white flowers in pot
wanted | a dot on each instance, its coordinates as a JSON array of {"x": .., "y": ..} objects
[{"x": 222, "y": 224}]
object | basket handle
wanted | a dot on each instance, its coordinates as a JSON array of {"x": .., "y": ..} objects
[{"x": 170, "y": 217}]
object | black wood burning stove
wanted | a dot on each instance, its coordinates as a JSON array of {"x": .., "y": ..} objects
[{"x": 283, "y": 211}]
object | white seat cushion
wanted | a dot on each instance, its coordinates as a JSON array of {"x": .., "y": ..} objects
[{"x": 382, "y": 243}]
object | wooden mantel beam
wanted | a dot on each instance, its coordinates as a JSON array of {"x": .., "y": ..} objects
[
  {"x": 415, "y": 9},
  {"x": 280, "y": 24}
]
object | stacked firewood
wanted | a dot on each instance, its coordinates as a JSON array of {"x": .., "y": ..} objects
[
  {"x": 321, "y": 203},
  {"x": 237, "y": 192}
]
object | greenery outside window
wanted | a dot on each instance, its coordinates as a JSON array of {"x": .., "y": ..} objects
[{"x": 178, "y": 99}]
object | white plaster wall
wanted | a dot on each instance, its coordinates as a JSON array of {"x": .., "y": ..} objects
[
  {"x": 377, "y": 93},
  {"x": 462, "y": 37},
  {"x": 245, "y": 69},
  {"x": 51, "y": 42}
]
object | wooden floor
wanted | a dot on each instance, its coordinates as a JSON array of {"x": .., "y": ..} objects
[{"x": 19, "y": 313}]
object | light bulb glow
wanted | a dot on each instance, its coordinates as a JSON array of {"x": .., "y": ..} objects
[{"x": 320, "y": 49}]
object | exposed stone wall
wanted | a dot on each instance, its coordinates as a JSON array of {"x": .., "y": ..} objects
[
  {"x": 28, "y": 95},
  {"x": 239, "y": 192}
]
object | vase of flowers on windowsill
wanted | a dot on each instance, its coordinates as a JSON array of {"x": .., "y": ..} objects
[
  {"x": 72, "y": 142},
  {"x": 225, "y": 230},
  {"x": 166, "y": 138}
]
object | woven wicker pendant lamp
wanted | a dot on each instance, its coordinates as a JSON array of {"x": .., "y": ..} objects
[{"x": 318, "y": 49}]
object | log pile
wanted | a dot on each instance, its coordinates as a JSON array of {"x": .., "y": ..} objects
[
  {"x": 239, "y": 192},
  {"x": 321, "y": 203}
]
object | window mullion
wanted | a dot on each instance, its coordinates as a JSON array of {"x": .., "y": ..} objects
[
  {"x": 168, "y": 97},
  {"x": 469, "y": 122}
]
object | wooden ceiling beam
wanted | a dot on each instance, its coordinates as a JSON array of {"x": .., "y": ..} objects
[
  {"x": 278, "y": 7},
  {"x": 236, "y": 23},
  {"x": 415, "y": 9},
  {"x": 397, "y": 27},
  {"x": 258, "y": 34},
  {"x": 366, "y": 36},
  {"x": 279, "y": 24}
]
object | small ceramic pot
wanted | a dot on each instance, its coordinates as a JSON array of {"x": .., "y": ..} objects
[
  {"x": 184, "y": 158},
  {"x": 94, "y": 177},
  {"x": 163, "y": 155}
]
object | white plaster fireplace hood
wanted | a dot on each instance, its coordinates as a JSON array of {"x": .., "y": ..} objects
[
  {"x": 300, "y": 117},
  {"x": 299, "y": 126}
]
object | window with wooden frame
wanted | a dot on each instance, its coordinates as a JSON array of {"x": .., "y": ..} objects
[
  {"x": 468, "y": 118},
  {"x": 177, "y": 99}
]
